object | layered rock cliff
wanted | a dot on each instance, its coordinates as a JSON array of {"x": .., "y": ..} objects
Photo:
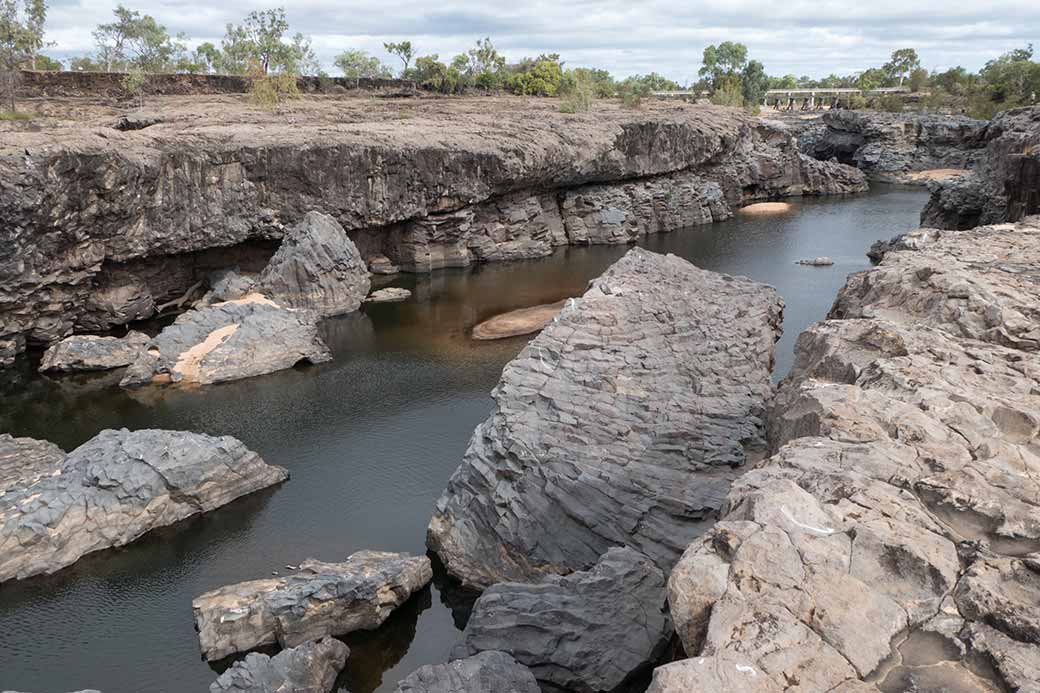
[
  {"x": 1005, "y": 186},
  {"x": 891, "y": 540},
  {"x": 100, "y": 226},
  {"x": 892, "y": 147}
]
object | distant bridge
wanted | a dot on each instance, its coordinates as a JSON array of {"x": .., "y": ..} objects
[{"x": 819, "y": 98}]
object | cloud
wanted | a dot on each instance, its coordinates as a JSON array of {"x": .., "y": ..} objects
[{"x": 797, "y": 36}]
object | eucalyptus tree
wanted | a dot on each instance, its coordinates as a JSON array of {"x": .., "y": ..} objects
[{"x": 21, "y": 37}]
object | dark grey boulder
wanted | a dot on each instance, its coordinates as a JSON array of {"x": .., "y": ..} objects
[
  {"x": 623, "y": 423},
  {"x": 308, "y": 668},
  {"x": 228, "y": 341},
  {"x": 318, "y": 268},
  {"x": 321, "y": 599},
  {"x": 588, "y": 631},
  {"x": 481, "y": 673},
  {"x": 91, "y": 353},
  {"x": 113, "y": 489}
]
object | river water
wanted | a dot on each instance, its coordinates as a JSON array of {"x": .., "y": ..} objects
[{"x": 370, "y": 440}]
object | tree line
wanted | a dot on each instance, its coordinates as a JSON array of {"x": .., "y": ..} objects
[{"x": 262, "y": 45}]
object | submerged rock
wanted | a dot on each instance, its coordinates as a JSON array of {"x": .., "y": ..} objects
[
  {"x": 311, "y": 667},
  {"x": 391, "y": 294},
  {"x": 822, "y": 261},
  {"x": 481, "y": 673},
  {"x": 321, "y": 599},
  {"x": 227, "y": 341},
  {"x": 90, "y": 353},
  {"x": 901, "y": 497},
  {"x": 317, "y": 268},
  {"x": 622, "y": 423},
  {"x": 587, "y": 631},
  {"x": 518, "y": 322},
  {"x": 113, "y": 489}
]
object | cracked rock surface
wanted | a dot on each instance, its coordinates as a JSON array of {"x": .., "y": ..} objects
[
  {"x": 311, "y": 667},
  {"x": 622, "y": 424},
  {"x": 320, "y": 599},
  {"x": 55, "y": 508},
  {"x": 891, "y": 540},
  {"x": 481, "y": 673},
  {"x": 91, "y": 353},
  {"x": 587, "y": 631}
]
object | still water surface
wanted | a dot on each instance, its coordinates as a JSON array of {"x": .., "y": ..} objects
[{"x": 370, "y": 440}]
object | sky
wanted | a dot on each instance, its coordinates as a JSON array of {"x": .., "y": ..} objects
[{"x": 802, "y": 37}]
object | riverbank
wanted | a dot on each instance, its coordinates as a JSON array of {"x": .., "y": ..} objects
[{"x": 102, "y": 225}]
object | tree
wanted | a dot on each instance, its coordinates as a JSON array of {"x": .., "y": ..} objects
[
  {"x": 484, "y": 65},
  {"x": 45, "y": 63},
  {"x": 754, "y": 84},
  {"x": 918, "y": 79},
  {"x": 360, "y": 65},
  {"x": 136, "y": 41},
  {"x": 21, "y": 37},
  {"x": 723, "y": 62},
  {"x": 261, "y": 41},
  {"x": 1013, "y": 79},
  {"x": 870, "y": 79},
  {"x": 539, "y": 76},
  {"x": 900, "y": 65},
  {"x": 785, "y": 82},
  {"x": 402, "y": 50},
  {"x": 431, "y": 73}
]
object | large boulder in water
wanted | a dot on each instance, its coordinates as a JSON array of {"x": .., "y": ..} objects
[
  {"x": 111, "y": 490},
  {"x": 308, "y": 668},
  {"x": 481, "y": 673},
  {"x": 317, "y": 268},
  {"x": 622, "y": 423},
  {"x": 588, "y": 631},
  {"x": 228, "y": 341},
  {"x": 91, "y": 353},
  {"x": 321, "y": 599}
]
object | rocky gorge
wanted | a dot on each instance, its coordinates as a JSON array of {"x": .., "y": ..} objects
[{"x": 109, "y": 225}]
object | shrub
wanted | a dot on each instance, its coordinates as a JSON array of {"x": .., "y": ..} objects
[
  {"x": 270, "y": 91},
  {"x": 14, "y": 115},
  {"x": 632, "y": 91},
  {"x": 729, "y": 94},
  {"x": 890, "y": 104},
  {"x": 133, "y": 84},
  {"x": 577, "y": 93}
]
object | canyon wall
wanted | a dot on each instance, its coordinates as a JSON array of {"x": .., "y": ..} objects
[{"x": 99, "y": 226}]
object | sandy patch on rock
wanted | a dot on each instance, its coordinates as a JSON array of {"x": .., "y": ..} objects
[
  {"x": 518, "y": 322},
  {"x": 766, "y": 208},
  {"x": 937, "y": 174},
  {"x": 190, "y": 362},
  {"x": 254, "y": 297}
]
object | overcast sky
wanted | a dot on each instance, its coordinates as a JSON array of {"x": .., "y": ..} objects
[{"x": 813, "y": 37}]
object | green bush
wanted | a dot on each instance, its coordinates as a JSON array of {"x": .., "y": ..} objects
[
  {"x": 889, "y": 103},
  {"x": 729, "y": 94},
  {"x": 14, "y": 115},
  {"x": 133, "y": 84},
  {"x": 577, "y": 93},
  {"x": 270, "y": 91},
  {"x": 632, "y": 91}
]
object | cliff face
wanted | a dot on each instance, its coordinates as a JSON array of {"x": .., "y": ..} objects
[
  {"x": 1005, "y": 186},
  {"x": 98, "y": 226},
  {"x": 891, "y": 147}
]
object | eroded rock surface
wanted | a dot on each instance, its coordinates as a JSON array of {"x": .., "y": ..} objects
[
  {"x": 111, "y": 490},
  {"x": 587, "y": 631},
  {"x": 893, "y": 147},
  {"x": 518, "y": 322},
  {"x": 481, "y": 673},
  {"x": 91, "y": 353},
  {"x": 92, "y": 218},
  {"x": 311, "y": 667},
  {"x": 622, "y": 423},
  {"x": 901, "y": 498},
  {"x": 321, "y": 599},
  {"x": 1004, "y": 186},
  {"x": 316, "y": 268},
  {"x": 228, "y": 341}
]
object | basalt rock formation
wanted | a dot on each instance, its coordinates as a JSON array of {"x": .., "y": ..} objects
[
  {"x": 228, "y": 341},
  {"x": 321, "y": 599},
  {"x": 891, "y": 147},
  {"x": 308, "y": 668},
  {"x": 584, "y": 632},
  {"x": 481, "y": 673},
  {"x": 55, "y": 508},
  {"x": 1005, "y": 186},
  {"x": 891, "y": 540},
  {"x": 316, "y": 268},
  {"x": 622, "y": 424},
  {"x": 92, "y": 353},
  {"x": 99, "y": 227}
]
